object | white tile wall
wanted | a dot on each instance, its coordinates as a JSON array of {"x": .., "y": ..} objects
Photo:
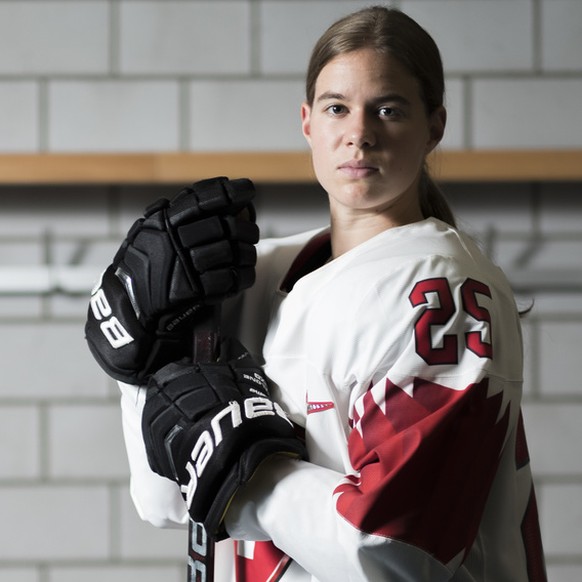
[
  {"x": 55, "y": 362},
  {"x": 21, "y": 307},
  {"x": 28, "y": 31},
  {"x": 54, "y": 523},
  {"x": 561, "y": 208},
  {"x": 19, "y": 116},
  {"x": 553, "y": 452},
  {"x": 455, "y": 103},
  {"x": 502, "y": 207},
  {"x": 557, "y": 338},
  {"x": 527, "y": 113},
  {"x": 478, "y": 35},
  {"x": 84, "y": 442},
  {"x": 564, "y": 305},
  {"x": 289, "y": 29},
  {"x": 560, "y": 573},
  {"x": 20, "y": 574},
  {"x": 27, "y": 252},
  {"x": 21, "y": 461},
  {"x": 565, "y": 254},
  {"x": 176, "y": 37},
  {"x": 562, "y": 523},
  {"x": 50, "y": 210},
  {"x": 561, "y": 35},
  {"x": 69, "y": 306},
  {"x": 113, "y": 115},
  {"x": 246, "y": 115},
  {"x": 122, "y": 83},
  {"x": 529, "y": 355},
  {"x": 139, "y": 75}
]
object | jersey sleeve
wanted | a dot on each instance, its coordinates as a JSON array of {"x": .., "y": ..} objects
[
  {"x": 156, "y": 499},
  {"x": 428, "y": 431},
  {"x": 424, "y": 465}
]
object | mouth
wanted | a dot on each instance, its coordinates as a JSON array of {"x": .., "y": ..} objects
[{"x": 358, "y": 169}]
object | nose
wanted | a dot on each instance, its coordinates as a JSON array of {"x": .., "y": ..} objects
[{"x": 360, "y": 131}]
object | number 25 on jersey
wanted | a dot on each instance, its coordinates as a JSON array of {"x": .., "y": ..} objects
[{"x": 442, "y": 312}]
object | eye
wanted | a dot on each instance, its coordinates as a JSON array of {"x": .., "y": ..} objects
[
  {"x": 336, "y": 109},
  {"x": 389, "y": 112}
]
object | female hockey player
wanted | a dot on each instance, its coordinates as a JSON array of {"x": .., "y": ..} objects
[{"x": 387, "y": 339}]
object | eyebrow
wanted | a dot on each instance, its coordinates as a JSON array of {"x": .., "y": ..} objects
[
  {"x": 392, "y": 97},
  {"x": 330, "y": 95}
]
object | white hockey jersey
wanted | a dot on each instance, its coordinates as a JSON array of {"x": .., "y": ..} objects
[{"x": 402, "y": 362}]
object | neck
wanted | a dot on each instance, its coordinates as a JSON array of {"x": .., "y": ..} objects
[{"x": 350, "y": 229}]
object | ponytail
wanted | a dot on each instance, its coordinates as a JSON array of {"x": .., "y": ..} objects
[{"x": 433, "y": 202}]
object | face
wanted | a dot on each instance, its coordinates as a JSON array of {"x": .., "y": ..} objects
[{"x": 369, "y": 134}]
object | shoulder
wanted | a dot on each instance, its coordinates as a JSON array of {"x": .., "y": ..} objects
[
  {"x": 402, "y": 256},
  {"x": 292, "y": 244},
  {"x": 277, "y": 256}
]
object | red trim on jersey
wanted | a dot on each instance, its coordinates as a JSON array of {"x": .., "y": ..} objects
[
  {"x": 532, "y": 541},
  {"x": 425, "y": 464},
  {"x": 313, "y": 407},
  {"x": 530, "y": 526},
  {"x": 312, "y": 256},
  {"x": 521, "y": 450},
  {"x": 267, "y": 563}
]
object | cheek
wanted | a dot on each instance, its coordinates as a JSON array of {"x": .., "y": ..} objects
[
  {"x": 321, "y": 147},
  {"x": 413, "y": 147},
  {"x": 323, "y": 133},
  {"x": 323, "y": 162}
]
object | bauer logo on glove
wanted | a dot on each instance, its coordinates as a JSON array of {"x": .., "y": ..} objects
[
  {"x": 223, "y": 423},
  {"x": 209, "y": 426}
]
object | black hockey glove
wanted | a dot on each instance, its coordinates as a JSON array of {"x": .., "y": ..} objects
[
  {"x": 197, "y": 249},
  {"x": 209, "y": 426}
]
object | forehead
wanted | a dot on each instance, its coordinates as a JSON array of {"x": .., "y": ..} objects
[{"x": 366, "y": 70}]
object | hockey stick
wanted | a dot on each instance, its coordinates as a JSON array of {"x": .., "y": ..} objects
[{"x": 200, "y": 544}]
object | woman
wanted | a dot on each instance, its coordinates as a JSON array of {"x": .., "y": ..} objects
[{"x": 390, "y": 339}]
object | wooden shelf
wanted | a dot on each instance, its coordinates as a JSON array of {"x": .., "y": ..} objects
[
  {"x": 274, "y": 167},
  {"x": 154, "y": 168},
  {"x": 507, "y": 165}
]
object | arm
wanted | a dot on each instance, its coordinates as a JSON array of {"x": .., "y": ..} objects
[
  {"x": 183, "y": 254},
  {"x": 156, "y": 499}
]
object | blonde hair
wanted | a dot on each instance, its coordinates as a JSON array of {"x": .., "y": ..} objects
[{"x": 391, "y": 31}]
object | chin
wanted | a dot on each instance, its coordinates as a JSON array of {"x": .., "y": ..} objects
[{"x": 367, "y": 195}]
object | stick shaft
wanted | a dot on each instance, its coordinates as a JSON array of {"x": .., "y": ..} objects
[
  {"x": 200, "y": 554},
  {"x": 206, "y": 342},
  {"x": 207, "y": 334}
]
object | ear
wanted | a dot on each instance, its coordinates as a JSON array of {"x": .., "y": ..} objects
[
  {"x": 436, "y": 124},
  {"x": 306, "y": 121}
]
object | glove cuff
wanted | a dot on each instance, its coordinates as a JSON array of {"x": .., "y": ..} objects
[{"x": 240, "y": 474}]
